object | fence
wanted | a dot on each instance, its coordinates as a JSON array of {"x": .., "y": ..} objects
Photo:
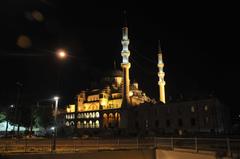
[{"x": 224, "y": 145}]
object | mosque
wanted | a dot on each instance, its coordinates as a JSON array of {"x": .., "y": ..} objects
[{"x": 120, "y": 105}]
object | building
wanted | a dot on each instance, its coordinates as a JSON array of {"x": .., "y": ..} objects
[{"x": 121, "y": 106}]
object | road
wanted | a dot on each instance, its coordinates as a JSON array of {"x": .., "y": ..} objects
[{"x": 69, "y": 145}]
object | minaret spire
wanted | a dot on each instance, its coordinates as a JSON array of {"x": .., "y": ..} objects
[
  {"x": 125, "y": 64},
  {"x": 161, "y": 75},
  {"x": 125, "y": 18}
]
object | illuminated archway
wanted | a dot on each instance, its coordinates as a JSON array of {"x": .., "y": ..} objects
[{"x": 105, "y": 120}]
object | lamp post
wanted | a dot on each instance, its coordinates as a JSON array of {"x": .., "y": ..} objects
[{"x": 56, "y": 98}]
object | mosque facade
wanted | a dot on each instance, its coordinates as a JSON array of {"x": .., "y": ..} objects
[{"x": 120, "y": 105}]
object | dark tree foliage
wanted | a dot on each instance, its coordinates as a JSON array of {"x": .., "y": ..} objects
[{"x": 44, "y": 116}]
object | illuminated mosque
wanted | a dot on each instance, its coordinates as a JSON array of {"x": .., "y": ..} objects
[{"x": 120, "y": 105}]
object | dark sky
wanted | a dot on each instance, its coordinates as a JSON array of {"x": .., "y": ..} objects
[{"x": 197, "y": 40}]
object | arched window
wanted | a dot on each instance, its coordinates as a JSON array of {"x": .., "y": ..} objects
[
  {"x": 67, "y": 123},
  {"x": 90, "y": 115},
  {"x": 71, "y": 123},
  {"x": 117, "y": 119},
  {"x": 105, "y": 120},
  {"x": 84, "y": 123},
  {"x": 90, "y": 124},
  {"x": 206, "y": 108},
  {"x": 111, "y": 117},
  {"x": 192, "y": 109},
  {"x": 111, "y": 120},
  {"x": 97, "y": 115},
  {"x": 97, "y": 124},
  {"x": 78, "y": 124}
]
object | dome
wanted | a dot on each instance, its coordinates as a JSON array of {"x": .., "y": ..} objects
[{"x": 114, "y": 73}]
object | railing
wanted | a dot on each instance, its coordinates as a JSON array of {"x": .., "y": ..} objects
[{"x": 224, "y": 145}]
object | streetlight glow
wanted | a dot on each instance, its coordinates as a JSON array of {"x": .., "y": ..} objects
[
  {"x": 61, "y": 54},
  {"x": 56, "y": 98}
]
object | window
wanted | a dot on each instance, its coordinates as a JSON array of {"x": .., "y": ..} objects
[
  {"x": 97, "y": 114},
  {"x": 180, "y": 123},
  {"x": 156, "y": 123},
  {"x": 78, "y": 124},
  {"x": 90, "y": 124},
  {"x": 146, "y": 123},
  {"x": 136, "y": 124},
  {"x": 97, "y": 124},
  {"x": 192, "y": 109},
  {"x": 193, "y": 122},
  {"x": 67, "y": 123},
  {"x": 72, "y": 123},
  {"x": 206, "y": 108},
  {"x": 168, "y": 123}
]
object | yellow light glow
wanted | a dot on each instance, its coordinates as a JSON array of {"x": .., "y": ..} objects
[
  {"x": 71, "y": 108},
  {"x": 61, "y": 54},
  {"x": 130, "y": 93}
]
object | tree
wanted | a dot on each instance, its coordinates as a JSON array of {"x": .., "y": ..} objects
[{"x": 44, "y": 116}]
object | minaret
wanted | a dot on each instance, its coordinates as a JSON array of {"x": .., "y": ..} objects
[
  {"x": 125, "y": 66},
  {"x": 161, "y": 75}
]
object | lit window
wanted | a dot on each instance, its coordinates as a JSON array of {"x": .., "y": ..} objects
[
  {"x": 78, "y": 124},
  {"x": 146, "y": 123},
  {"x": 67, "y": 123},
  {"x": 87, "y": 115},
  {"x": 90, "y": 124},
  {"x": 206, "y": 108},
  {"x": 72, "y": 123},
  {"x": 192, "y": 109},
  {"x": 97, "y": 124},
  {"x": 97, "y": 114},
  {"x": 93, "y": 114}
]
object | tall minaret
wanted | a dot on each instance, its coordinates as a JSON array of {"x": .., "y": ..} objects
[
  {"x": 161, "y": 75},
  {"x": 125, "y": 66}
]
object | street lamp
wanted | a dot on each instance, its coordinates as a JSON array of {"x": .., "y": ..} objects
[
  {"x": 61, "y": 54},
  {"x": 56, "y": 98}
]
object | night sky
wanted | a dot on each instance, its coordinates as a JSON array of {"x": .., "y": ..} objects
[{"x": 197, "y": 41}]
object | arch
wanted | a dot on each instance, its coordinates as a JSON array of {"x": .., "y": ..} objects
[
  {"x": 97, "y": 124},
  {"x": 78, "y": 124},
  {"x": 111, "y": 120},
  {"x": 67, "y": 123},
  {"x": 72, "y": 123},
  {"x": 105, "y": 120}
]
